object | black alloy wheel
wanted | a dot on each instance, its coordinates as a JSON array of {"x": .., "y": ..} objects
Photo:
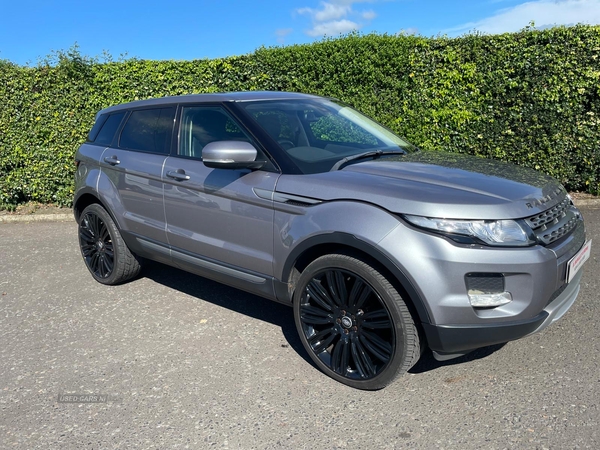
[
  {"x": 96, "y": 245},
  {"x": 353, "y": 323},
  {"x": 105, "y": 253}
]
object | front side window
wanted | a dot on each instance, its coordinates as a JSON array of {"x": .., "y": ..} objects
[
  {"x": 201, "y": 125},
  {"x": 148, "y": 130}
]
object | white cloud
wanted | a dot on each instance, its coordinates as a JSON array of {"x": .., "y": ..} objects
[
  {"x": 281, "y": 34},
  {"x": 369, "y": 15},
  {"x": 544, "y": 13},
  {"x": 331, "y": 11},
  {"x": 332, "y": 28},
  {"x": 333, "y": 17}
]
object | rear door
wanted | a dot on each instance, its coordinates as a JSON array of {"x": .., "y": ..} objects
[
  {"x": 133, "y": 165},
  {"x": 214, "y": 218}
]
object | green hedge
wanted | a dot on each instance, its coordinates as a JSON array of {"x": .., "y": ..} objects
[{"x": 531, "y": 97}]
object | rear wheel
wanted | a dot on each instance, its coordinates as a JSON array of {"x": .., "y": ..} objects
[
  {"x": 104, "y": 251},
  {"x": 354, "y": 324}
]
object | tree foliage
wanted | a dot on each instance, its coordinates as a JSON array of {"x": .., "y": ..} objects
[{"x": 532, "y": 98}]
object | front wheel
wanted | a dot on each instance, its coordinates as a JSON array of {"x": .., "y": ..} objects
[
  {"x": 104, "y": 251},
  {"x": 354, "y": 324}
]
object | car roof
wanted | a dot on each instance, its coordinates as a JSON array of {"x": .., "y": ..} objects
[{"x": 212, "y": 98}]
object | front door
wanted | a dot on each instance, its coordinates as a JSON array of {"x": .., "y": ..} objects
[{"x": 215, "y": 221}]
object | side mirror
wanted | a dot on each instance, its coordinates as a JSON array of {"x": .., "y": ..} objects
[{"x": 230, "y": 155}]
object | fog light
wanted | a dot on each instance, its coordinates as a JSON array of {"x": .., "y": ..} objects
[
  {"x": 486, "y": 290},
  {"x": 480, "y": 299}
]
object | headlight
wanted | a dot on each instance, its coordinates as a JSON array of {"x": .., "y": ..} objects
[{"x": 508, "y": 233}]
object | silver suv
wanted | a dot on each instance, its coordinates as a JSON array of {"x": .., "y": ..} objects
[{"x": 381, "y": 249}]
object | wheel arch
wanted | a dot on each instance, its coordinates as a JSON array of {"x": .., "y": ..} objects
[
  {"x": 85, "y": 199},
  {"x": 317, "y": 246}
]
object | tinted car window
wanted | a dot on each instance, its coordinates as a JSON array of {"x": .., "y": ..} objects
[
  {"x": 148, "y": 130},
  {"x": 201, "y": 125},
  {"x": 278, "y": 124},
  {"x": 109, "y": 128},
  {"x": 317, "y": 133},
  {"x": 96, "y": 128},
  {"x": 339, "y": 129}
]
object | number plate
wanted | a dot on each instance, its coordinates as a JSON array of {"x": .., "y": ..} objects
[{"x": 577, "y": 261}]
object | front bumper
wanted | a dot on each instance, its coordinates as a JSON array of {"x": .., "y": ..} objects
[
  {"x": 535, "y": 277},
  {"x": 451, "y": 341}
]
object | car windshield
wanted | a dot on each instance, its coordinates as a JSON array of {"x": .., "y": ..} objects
[{"x": 317, "y": 133}]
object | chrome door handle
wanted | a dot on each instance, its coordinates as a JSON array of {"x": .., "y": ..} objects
[
  {"x": 112, "y": 160},
  {"x": 178, "y": 175}
]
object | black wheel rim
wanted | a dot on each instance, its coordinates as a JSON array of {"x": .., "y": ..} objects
[
  {"x": 347, "y": 325},
  {"x": 96, "y": 245}
]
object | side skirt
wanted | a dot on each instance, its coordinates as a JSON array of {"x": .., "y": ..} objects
[{"x": 253, "y": 282}]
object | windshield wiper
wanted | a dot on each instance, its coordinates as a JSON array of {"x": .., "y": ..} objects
[{"x": 375, "y": 153}]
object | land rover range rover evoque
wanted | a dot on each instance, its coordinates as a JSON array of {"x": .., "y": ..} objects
[{"x": 382, "y": 249}]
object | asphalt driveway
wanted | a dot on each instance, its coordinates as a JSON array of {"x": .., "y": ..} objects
[{"x": 172, "y": 360}]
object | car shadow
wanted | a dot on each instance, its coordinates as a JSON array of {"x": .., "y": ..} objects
[
  {"x": 271, "y": 312},
  {"x": 428, "y": 363},
  {"x": 230, "y": 298}
]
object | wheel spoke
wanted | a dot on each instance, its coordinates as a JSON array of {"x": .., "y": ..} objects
[
  {"x": 380, "y": 355},
  {"x": 109, "y": 251},
  {"x": 333, "y": 283},
  {"x": 378, "y": 319},
  {"x": 85, "y": 234},
  {"x": 101, "y": 266},
  {"x": 315, "y": 316},
  {"x": 94, "y": 262},
  {"x": 378, "y": 342},
  {"x": 363, "y": 363},
  {"x": 358, "y": 289},
  {"x": 85, "y": 230},
  {"x": 87, "y": 249},
  {"x": 320, "y": 295},
  {"x": 104, "y": 235},
  {"x": 93, "y": 220},
  {"x": 340, "y": 357},
  {"x": 99, "y": 226},
  {"x": 340, "y": 283},
  {"x": 108, "y": 265},
  {"x": 322, "y": 340}
]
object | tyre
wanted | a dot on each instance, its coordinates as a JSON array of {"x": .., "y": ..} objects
[
  {"x": 353, "y": 323},
  {"x": 104, "y": 251}
]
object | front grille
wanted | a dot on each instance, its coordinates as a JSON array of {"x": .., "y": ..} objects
[
  {"x": 561, "y": 231},
  {"x": 550, "y": 215},
  {"x": 555, "y": 223}
]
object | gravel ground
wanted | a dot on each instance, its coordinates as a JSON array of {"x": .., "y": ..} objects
[{"x": 189, "y": 363}]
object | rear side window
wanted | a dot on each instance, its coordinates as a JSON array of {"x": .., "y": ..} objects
[
  {"x": 148, "y": 130},
  {"x": 107, "y": 129}
]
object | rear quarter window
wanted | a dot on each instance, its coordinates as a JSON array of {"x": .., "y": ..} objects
[
  {"x": 96, "y": 128},
  {"x": 108, "y": 128}
]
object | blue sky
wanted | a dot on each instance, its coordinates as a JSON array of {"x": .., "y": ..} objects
[{"x": 187, "y": 29}]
